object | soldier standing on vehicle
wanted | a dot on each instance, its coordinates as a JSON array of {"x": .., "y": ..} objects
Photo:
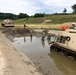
[{"x": 74, "y": 25}]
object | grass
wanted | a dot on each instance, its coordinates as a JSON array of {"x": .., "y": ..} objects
[
  {"x": 59, "y": 19},
  {"x": 55, "y": 19},
  {"x": 29, "y": 21},
  {"x": 38, "y": 22}
]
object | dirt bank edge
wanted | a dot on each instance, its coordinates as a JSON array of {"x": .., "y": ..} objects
[{"x": 14, "y": 62}]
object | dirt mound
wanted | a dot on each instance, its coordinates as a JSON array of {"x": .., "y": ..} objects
[
  {"x": 16, "y": 31},
  {"x": 46, "y": 21},
  {"x": 10, "y": 33}
]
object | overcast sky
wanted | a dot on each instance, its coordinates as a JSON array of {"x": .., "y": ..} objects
[{"x": 35, "y": 6}]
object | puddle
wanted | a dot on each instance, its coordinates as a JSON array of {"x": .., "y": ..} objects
[{"x": 48, "y": 62}]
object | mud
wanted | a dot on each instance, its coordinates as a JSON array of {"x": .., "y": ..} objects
[
  {"x": 13, "y": 61},
  {"x": 10, "y": 33},
  {"x": 15, "y": 31}
]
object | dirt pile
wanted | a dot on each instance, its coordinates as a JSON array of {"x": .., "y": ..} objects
[
  {"x": 10, "y": 33},
  {"x": 13, "y": 32}
]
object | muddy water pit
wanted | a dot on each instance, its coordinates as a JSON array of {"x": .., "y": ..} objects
[
  {"x": 38, "y": 51},
  {"x": 48, "y": 62}
]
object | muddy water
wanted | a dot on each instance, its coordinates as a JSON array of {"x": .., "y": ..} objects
[{"x": 48, "y": 62}]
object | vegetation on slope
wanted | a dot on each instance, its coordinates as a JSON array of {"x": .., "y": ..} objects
[{"x": 53, "y": 19}]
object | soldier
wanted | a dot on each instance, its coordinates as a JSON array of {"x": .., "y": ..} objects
[
  {"x": 74, "y": 25},
  {"x": 24, "y": 26}
]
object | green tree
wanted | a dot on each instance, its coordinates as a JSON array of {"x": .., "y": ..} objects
[
  {"x": 7, "y": 16},
  {"x": 39, "y": 15},
  {"x": 74, "y": 8},
  {"x": 65, "y": 10},
  {"x": 23, "y": 15}
]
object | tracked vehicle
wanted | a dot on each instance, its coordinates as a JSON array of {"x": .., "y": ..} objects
[
  {"x": 7, "y": 23},
  {"x": 65, "y": 42}
]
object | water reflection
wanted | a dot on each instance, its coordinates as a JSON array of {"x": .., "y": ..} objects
[
  {"x": 43, "y": 39},
  {"x": 38, "y": 49},
  {"x": 24, "y": 39},
  {"x": 31, "y": 37},
  {"x": 48, "y": 40},
  {"x": 66, "y": 65},
  {"x": 43, "y": 43}
]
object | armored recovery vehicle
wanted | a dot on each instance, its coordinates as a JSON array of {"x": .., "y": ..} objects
[{"x": 65, "y": 42}]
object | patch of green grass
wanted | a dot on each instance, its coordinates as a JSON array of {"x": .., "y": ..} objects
[
  {"x": 54, "y": 19},
  {"x": 59, "y": 19},
  {"x": 29, "y": 21}
]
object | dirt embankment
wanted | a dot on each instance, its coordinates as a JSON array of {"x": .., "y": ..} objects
[
  {"x": 13, "y": 61},
  {"x": 12, "y": 32},
  {"x": 15, "y": 31}
]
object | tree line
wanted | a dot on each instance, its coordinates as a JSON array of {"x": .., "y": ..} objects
[
  {"x": 12, "y": 16},
  {"x": 21, "y": 15},
  {"x": 24, "y": 15}
]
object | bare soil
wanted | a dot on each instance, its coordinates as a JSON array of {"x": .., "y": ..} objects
[{"x": 13, "y": 61}]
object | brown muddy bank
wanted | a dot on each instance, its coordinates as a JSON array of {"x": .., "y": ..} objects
[
  {"x": 15, "y": 31},
  {"x": 10, "y": 33},
  {"x": 13, "y": 61}
]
